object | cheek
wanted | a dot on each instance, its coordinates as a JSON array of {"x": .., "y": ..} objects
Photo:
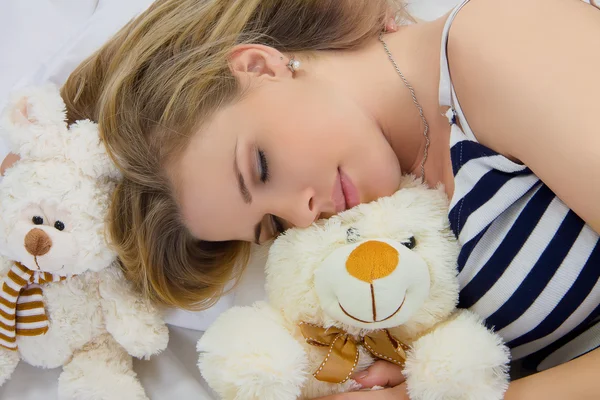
[
  {"x": 369, "y": 160},
  {"x": 380, "y": 174},
  {"x": 316, "y": 131},
  {"x": 305, "y": 114}
]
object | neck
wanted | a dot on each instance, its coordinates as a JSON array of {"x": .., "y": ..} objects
[
  {"x": 416, "y": 51},
  {"x": 369, "y": 77}
]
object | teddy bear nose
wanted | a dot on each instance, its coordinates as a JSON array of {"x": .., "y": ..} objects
[
  {"x": 372, "y": 260},
  {"x": 37, "y": 242}
]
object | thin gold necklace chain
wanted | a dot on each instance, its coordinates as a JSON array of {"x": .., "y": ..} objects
[{"x": 414, "y": 98}]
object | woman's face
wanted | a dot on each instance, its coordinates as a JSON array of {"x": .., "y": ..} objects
[{"x": 290, "y": 151}]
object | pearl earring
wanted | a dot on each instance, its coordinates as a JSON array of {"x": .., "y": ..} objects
[{"x": 293, "y": 65}]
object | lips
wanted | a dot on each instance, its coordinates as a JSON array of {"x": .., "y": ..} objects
[
  {"x": 339, "y": 199},
  {"x": 344, "y": 195},
  {"x": 351, "y": 196}
]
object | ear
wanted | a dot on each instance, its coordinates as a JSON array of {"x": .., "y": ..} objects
[
  {"x": 250, "y": 61},
  {"x": 84, "y": 148},
  {"x": 33, "y": 123}
]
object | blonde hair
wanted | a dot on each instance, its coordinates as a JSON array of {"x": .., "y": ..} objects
[{"x": 154, "y": 83}]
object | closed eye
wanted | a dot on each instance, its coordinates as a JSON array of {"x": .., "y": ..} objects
[{"x": 263, "y": 166}]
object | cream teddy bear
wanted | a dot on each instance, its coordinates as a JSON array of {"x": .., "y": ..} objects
[
  {"x": 378, "y": 281},
  {"x": 63, "y": 299}
]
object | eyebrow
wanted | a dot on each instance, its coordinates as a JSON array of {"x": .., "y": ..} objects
[{"x": 246, "y": 196}]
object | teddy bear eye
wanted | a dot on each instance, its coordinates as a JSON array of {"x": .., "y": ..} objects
[
  {"x": 410, "y": 243},
  {"x": 37, "y": 220},
  {"x": 59, "y": 225},
  {"x": 352, "y": 235}
]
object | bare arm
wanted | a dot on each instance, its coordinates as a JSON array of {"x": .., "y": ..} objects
[
  {"x": 577, "y": 380},
  {"x": 529, "y": 83}
]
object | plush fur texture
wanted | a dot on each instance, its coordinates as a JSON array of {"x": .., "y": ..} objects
[
  {"x": 259, "y": 352},
  {"x": 97, "y": 321}
]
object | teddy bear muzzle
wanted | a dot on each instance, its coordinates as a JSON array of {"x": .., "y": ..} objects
[
  {"x": 376, "y": 283},
  {"x": 37, "y": 242}
]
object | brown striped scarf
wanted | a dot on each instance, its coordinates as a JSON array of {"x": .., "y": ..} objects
[{"x": 21, "y": 304}]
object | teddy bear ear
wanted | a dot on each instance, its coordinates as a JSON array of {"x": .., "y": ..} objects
[
  {"x": 84, "y": 147},
  {"x": 33, "y": 122}
]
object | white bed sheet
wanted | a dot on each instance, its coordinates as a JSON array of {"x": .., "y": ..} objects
[{"x": 44, "y": 40}]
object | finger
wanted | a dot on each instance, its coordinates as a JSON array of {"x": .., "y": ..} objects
[
  {"x": 395, "y": 393},
  {"x": 381, "y": 373}
]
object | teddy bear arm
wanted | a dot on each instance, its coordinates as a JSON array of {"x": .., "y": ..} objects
[
  {"x": 132, "y": 320},
  {"x": 460, "y": 359},
  {"x": 249, "y": 354}
]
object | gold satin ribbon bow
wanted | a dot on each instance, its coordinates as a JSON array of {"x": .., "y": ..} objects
[{"x": 342, "y": 357}]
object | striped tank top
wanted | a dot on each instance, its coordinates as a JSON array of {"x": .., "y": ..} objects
[{"x": 529, "y": 265}]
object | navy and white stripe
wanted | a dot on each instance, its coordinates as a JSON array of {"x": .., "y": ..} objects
[{"x": 528, "y": 263}]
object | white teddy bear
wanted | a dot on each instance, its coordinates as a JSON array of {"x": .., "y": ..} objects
[
  {"x": 63, "y": 299},
  {"x": 378, "y": 281}
]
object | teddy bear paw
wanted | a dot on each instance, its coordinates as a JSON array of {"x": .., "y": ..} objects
[
  {"x": 255, "y": 337},
  {"x": 103, "y": 385},
  {"x": 101, "y": 370},
  {"x": 147, "y": 341},
  {"x": 459, "y": 360}
]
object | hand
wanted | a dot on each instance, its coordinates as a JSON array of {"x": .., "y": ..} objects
[
  {"x": 381, "y": 373},
  {"x": 8, "y": 161}
]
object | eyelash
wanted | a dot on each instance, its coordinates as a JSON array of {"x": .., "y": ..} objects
[
  {"x": 264, "y": 178},
  {"x": 264, "y": 166}
]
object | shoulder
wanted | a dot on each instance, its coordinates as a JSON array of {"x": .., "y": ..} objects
[
  {"x": 511, "y": 60},
  {"x": 526, "y": 76}
]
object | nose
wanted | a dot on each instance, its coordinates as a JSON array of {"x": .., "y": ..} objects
[
  {"x": 301, "y": 210},
  {"x": 37, "y": 242},
  {"x": 372, "y": 260}
]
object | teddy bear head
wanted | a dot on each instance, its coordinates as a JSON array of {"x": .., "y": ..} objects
[
  {"x": 387, "y": 264},
  {"x": 54, "y": 200}
]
